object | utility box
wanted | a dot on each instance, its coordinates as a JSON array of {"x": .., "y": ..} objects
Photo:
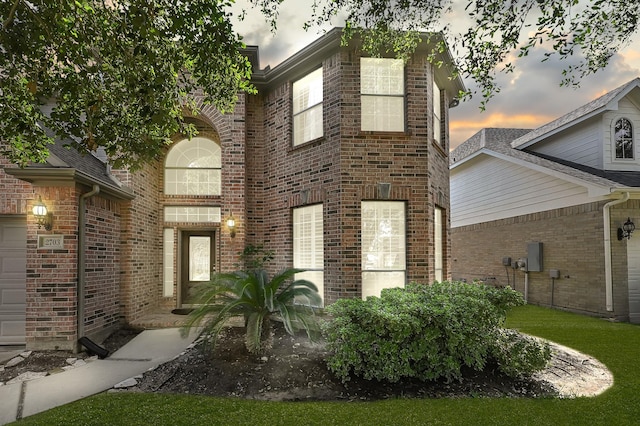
[
  {"x": 554, "y": 273},
  {"x": 534, "y": 257},
  {"x": 506, "y": 261}
]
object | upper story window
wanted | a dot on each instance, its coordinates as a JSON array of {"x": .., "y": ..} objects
[
  {"x": 437, "y": 115},
  {"x": 193, "y": 167},
  {"x": 623, "y": 134},
  {"x": 307, "y": 108},
  {"x": 382, "y": 94}
]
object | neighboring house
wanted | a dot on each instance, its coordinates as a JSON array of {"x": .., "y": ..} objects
[
  {"x": 339, "y": 165},
  {"x": 555, "y": 197}
]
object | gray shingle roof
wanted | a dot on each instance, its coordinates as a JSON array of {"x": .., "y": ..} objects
[
  {"x": 87, "y": 164},
  {"x": 579, "y": 114}
]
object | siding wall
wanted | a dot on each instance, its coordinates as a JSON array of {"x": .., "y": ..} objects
[
  {"x": 488, "y": 188},
  {"x": 581, "y": 144},
  {"x": 630, "y": 111}
]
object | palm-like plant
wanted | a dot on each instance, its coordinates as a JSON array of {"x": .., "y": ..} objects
[{"x": 256, "y": 297}]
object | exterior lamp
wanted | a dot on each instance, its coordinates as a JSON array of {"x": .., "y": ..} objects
[
  {"x": 231, "y": 224},
  {"x": 43, "y": 217},
  {"x": 627, "y": 229}
]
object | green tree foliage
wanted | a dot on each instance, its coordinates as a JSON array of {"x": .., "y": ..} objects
[
  {"x": 259, "y": 299},
  {"x": 428, "y": 332},
  {"x": 116, "y": 74},
  {"x": 120, "y": 74},
  {"x": 487, "y": 35}
]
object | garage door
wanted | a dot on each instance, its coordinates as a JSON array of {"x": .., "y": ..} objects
[{"x": 13, "y": 256}]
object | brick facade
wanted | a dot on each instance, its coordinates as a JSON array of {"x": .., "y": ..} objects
[
  {"x": 263, "y": 177},
  {"x": 572, "y": 241},
  {"x": 344, "y": 168}
]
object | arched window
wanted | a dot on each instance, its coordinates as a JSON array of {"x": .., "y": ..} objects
[
  {"x": 623, "y": 134},
  {"x": 193, "y": 167}
]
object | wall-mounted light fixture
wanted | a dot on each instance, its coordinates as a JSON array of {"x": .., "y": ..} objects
[
  {"x": 627, "y": 229},
  {"x": 231, "y": 225},
  {"x": 43, "y": 217}
]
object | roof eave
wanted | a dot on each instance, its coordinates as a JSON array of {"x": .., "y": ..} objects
[{"x": 44, "y": 176}]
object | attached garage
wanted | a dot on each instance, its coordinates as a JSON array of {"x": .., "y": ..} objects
[{"x": 13, "y": 256}]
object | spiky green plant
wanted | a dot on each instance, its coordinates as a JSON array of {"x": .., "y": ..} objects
[{"x": 258, "y": 299}]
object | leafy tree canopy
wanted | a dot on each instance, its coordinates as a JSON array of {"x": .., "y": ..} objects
[
  {"x": 120, "y": 74},
  {"x": 117, "y": 74}
]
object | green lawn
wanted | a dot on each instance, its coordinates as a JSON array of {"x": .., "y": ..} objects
[{"x": 616, "y": 345}]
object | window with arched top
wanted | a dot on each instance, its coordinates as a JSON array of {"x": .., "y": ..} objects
[
  {"x": 193, "y": 167},
  {"x": 623, "y": 134}
]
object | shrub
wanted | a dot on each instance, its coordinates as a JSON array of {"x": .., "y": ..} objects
[
  {"x": 258, "y": 298},
  {"x": 425, "y": 332}
]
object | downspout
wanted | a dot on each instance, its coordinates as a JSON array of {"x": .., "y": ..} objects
[
  {"x": 608, "y": 278},
  {"x": 82, "y": 256}
]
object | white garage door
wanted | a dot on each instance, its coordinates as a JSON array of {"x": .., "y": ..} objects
[{"x": 13, "y": 257}]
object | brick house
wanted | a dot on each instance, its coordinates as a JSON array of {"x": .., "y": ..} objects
[
  {"x": 339, "y": 165},
  {"x": 555, "y": 197}
]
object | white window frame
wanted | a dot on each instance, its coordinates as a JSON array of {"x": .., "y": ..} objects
[
  {"x": 307, "y": 103},
  {"x": 382, "y": 95},
  {"x": 193, "y": 167},
  {"x": 437, "y": 115},
  {"x": 383, "y": 247},
  {"x": 308, "y": 245},
  {"x": 438, "y": 244},
  {"x": 628, "y": 138}
]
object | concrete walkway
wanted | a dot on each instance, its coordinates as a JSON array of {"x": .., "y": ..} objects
[{"x": 147, "y": 350}]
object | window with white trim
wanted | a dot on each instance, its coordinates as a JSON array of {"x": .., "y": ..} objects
[
  {"x": 438, "y": 244},
  {"x": 308, "y": 245},
  {"x": 382, "y": 94},
  {"x": 307, "y": 108},
  {"x": 383, "y": 246},
  {"x": 193, "y": 167},
  {"x": 437, "y": 115},
  {"x": 623, "y": 134}
]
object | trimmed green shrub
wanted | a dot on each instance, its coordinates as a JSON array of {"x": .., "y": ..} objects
[{"x": 425, "y": 332}]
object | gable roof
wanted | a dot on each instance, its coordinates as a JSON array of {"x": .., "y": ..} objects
[
  {"x": 497, "y": 143},
  {"x": 66, "y": 164},
  {"x": 605, "y": 102}
]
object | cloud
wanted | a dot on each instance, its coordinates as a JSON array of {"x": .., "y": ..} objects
[
  {"x": 529, "y": 97},
  {"x": 532, "y": 95}
]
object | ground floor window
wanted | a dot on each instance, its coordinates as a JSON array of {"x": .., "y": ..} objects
[
  {"x": 438, "y": 244},
  {"x": 308, "y": 244},
  {"x": 168, "y": 262},
  {"x": 383, "y": 246}
]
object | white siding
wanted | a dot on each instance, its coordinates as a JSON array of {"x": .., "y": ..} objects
[
  {"x": 581, "y": 144},
  {"x": 628, "y": 110},
  {"x": 487, "y": 188},
  {"x": 633, "y": 260}
]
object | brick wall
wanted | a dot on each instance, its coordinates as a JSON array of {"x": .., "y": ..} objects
[
  {"x": 16, "y": 194},
  {"x": 141, "y": 242},
  {"x": 572, "y": 241},
  {"x": 344, "y": 168},
  {"x": 102, "y": 267},
  {"x": 51, "y": 321}
]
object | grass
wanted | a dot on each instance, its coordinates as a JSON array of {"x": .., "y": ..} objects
[{"x": 617, "y": 345}]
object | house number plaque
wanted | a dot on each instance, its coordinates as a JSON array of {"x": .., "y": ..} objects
[{"x": 51, "y": 242}]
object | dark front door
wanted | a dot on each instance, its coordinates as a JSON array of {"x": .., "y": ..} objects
[{"x": 197, "y": 263}]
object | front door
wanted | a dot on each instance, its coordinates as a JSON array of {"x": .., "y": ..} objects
[
  {"x": 197, "y": 263},
  {"x": 13, "y": 278}
]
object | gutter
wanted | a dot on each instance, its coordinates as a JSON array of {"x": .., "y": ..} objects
[
  {"x": 608, "y": 278},
  {"x": 82, "y": 256}
]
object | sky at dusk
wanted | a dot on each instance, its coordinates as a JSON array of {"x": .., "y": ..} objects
[{"x": 529, "y": 97}]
